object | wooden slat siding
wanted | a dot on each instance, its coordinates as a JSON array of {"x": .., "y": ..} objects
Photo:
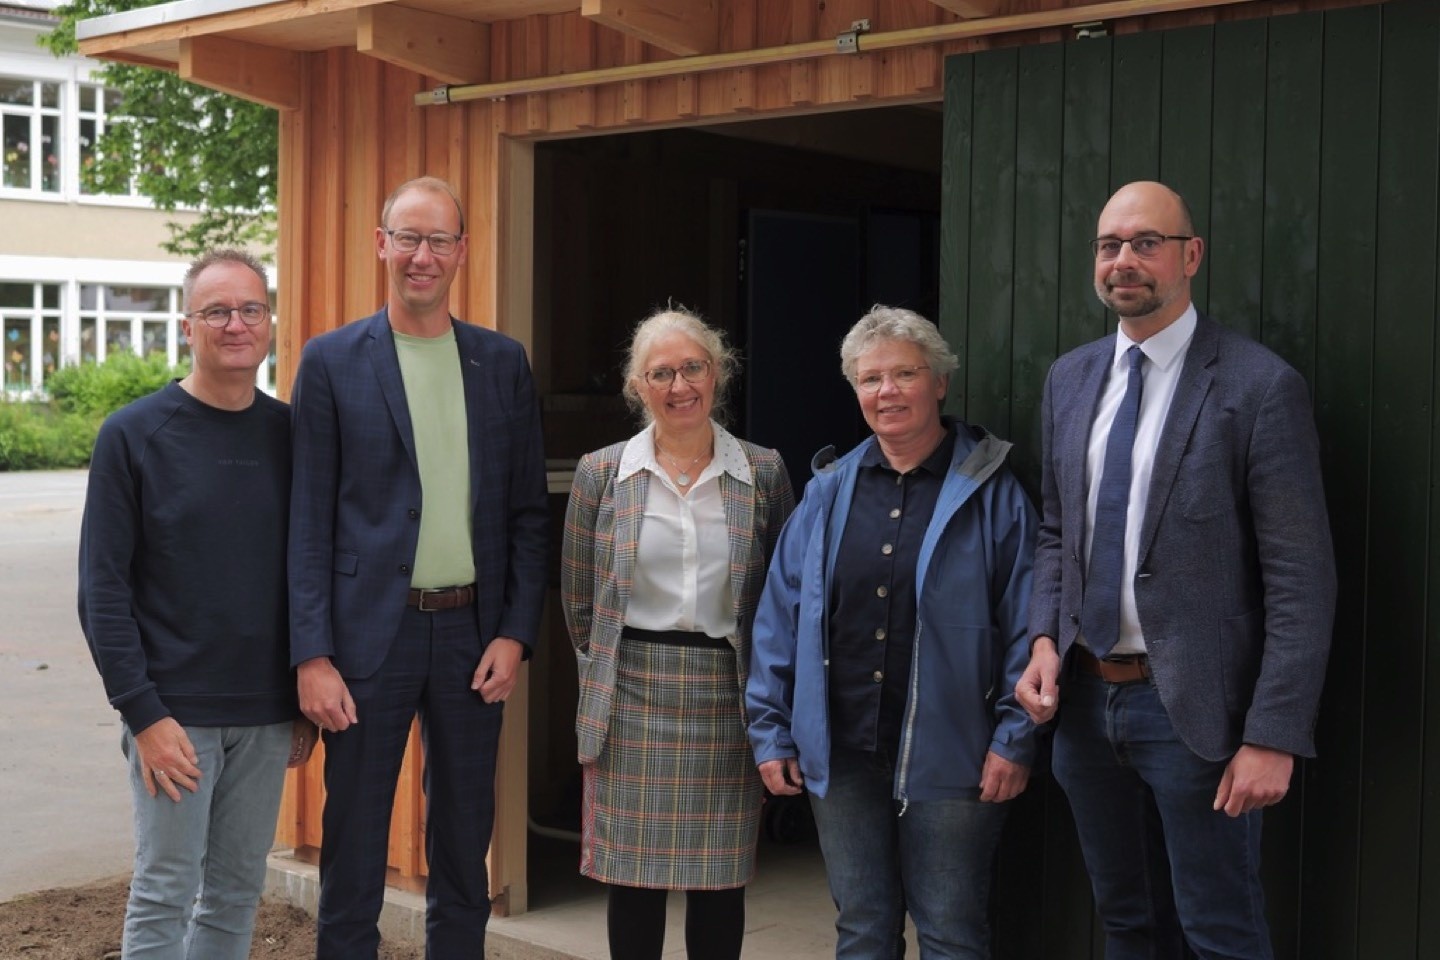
[
  {"x": 1135, "y": 109},
  {"x": 992, "y": 247},
  {"x": 1038, "y": 167},
  {"x": 1238, "y": 175},
  {"x": 1405, "y": 309},
  {"x": 362, "y": 180},
  {"x": 1084, "y": 186},
  {"x": 955, "y": 194},
  {"x": 1286, "y": 324},
  {"x": 1292, "y": 187},
  {"x": 1427, "y": 118},
  {"x": 1030, "y": 852},
  {"x": 1186, "y": 94},
  {"x": 1344, "y": 375}
]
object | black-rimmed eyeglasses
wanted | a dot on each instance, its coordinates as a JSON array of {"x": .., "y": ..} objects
[
  {"x": 251, "y": 314},
  {"x": 1144, "y": 245}
]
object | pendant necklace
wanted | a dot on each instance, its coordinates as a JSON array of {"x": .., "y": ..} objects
[{"x": 683, "y": 476}]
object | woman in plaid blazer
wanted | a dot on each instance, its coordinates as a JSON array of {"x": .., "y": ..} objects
[{"x": 667, "y": 538}]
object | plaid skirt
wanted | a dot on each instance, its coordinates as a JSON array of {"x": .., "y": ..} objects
[{"x": 673, "y": 800}]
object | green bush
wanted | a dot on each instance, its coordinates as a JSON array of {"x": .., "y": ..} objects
[
  {"x": 101, "y": 389},
  {"x": 61, "y": 433},
  {"x": 36, "y": 436}
]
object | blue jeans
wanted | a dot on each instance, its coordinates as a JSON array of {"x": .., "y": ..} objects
[
  {"x": 1170, "y": 874},
  {"x": 200, "y": 863},
  {"x": 934, "y": 861}
]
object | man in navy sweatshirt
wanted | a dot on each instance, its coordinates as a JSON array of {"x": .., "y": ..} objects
[{"x": 183, "y": 603}]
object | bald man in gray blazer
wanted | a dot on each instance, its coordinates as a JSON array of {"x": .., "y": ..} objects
[{"x": 1181, "y": 612}]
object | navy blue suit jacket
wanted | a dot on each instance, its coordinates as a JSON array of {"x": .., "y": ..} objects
[
  {"x": 356, "y": 498},
  {"x": 1235, "y": 583}
]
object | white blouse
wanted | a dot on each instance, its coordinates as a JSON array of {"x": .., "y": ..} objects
[{"x": 682, "y": 562}]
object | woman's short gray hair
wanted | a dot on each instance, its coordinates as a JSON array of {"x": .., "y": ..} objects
[
  {"x": 884, "y": 323},
  {"x": 678, "y": 319}
]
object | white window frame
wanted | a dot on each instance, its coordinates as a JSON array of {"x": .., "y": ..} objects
[{"x": 37, "y": 313}]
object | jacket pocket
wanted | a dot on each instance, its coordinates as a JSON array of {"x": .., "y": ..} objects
[{"x": 347, "y": 563}]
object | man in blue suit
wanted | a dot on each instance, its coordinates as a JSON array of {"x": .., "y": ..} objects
[
  {"x": 417, "y": 573},
  {"x": 1183, "y": 599}
]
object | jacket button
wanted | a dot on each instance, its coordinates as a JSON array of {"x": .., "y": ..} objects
[
  {"x": 414, "y": 514},
  {"x": 404, "y": 568},
  {"x": 1074, "y": 618},
  {"x": 878, "y": 676}
]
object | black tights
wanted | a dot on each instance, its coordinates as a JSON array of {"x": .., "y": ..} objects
[{"x": 714, "y": 923}]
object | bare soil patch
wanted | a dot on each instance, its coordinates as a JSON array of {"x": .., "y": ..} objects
[{"x": 84, "y": 923}]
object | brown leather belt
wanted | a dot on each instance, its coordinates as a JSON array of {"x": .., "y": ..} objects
[
  {"x": 1124, "y": 668},
  {"x": 431, "y": 599}
]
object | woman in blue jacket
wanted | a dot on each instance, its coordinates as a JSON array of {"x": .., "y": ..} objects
[{"x": 886, "y": 647}]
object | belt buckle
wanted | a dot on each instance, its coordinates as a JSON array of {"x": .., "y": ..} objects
[{"x": 429, "y": 592}]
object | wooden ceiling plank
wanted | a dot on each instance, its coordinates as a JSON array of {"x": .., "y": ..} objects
[
  {"x": 683, "y": 27},
  {"x": 975, "y": 8},
  {"x": 450, "y": 49},
  {"x": 266, "y": 75}
]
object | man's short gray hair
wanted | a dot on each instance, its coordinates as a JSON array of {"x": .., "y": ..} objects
[
  {"x": 884, "y": 323},
  {"x": 210, "y": 258},
  {"x": 675, "y": 318}
]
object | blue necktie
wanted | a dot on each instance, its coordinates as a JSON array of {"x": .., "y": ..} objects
[{"x": 1100, "y": 610}]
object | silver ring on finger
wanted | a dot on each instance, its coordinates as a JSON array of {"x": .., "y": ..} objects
[{"x": 161, "y": 774}]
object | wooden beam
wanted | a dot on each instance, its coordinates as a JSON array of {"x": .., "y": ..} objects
[
  {"x": 974, "y": 8},
  {"x": 683, "y": 27},
  {"x": 815, "y": 49},
  {"x": 450, "y": 49},
  {"x": 266, "y": 75}
]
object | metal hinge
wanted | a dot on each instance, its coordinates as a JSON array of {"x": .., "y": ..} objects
[
  {"x": 849, "y": 41},
  {"x": 440, "y": 94}
]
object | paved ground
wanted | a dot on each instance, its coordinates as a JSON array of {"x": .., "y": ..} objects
[{"x": 66, "y": 807}]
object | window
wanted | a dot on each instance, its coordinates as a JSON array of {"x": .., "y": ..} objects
[
  {"x": 31, "y": 158},
  {"x": 96, "y": 106},
  {"x": 141, "y": 320},
  {"x": 29, "y": 334}
]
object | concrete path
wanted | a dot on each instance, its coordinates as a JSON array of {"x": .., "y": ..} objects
[{"x": 64, "y": 803}]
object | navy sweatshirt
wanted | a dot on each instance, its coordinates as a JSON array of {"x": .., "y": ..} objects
[{"x": 182, "y": 562}]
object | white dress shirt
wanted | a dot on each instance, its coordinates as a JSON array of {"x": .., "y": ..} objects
[
  {"x": 1164, "y": 358},
  {"x": 682, "y": 561}
]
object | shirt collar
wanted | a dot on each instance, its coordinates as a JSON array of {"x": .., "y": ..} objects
[
  {"x": 1165, "y": 347},
  {"x": 938, "y": 462},
  {"x": 639, "y": 454}
]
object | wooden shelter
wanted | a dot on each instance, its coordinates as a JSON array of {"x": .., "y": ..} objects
[{"x": 962, "y": 147}]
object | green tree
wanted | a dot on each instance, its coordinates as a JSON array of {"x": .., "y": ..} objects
[{"x": 185, "y": 146}]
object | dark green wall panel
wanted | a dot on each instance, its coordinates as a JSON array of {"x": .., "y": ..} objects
[
  {"x": 992, "y": 251},
  {"x": 1343, "y": 383},
  {"x": 1401, "y": 454},
  {"x": 1308, "y": 147},
  {"x": 1237, "y": 191},
  {"x": 1186, "y": 95}
]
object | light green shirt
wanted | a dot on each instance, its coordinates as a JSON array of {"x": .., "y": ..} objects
[{"x": 435, "y": 394}]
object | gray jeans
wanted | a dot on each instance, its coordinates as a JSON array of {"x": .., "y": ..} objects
[{"x": 200, "y": 863}]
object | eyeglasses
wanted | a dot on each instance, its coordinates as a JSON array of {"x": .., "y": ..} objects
[
  {"x": 1143, "y": 245},
  {"x": 408, "y": 241},
  {"x": 251, "y": 314},
  {"x": 692, "y": 371},
  {"x": 903, "y": 377}
]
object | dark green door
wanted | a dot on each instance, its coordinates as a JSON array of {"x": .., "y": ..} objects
[{"x": 1308, "y": 147}]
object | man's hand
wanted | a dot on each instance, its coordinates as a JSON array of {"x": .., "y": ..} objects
[
  {"x": 782, "y": 777},
  {"x": 1038, "y": 688},
  {"x": 1002, "y": 779},
  {"x": 1256, "y": 777},
  {"x": 499, "y": 669},
  {"x": 302, "y": 741},
  {"x": 324, "y": 698},
  {"x": 167, "y": 759}
]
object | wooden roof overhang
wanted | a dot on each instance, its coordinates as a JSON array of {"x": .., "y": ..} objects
[{"x": 254, "y": 48}]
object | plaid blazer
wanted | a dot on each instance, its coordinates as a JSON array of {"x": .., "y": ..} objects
[{"x": 602, "y": 529}]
